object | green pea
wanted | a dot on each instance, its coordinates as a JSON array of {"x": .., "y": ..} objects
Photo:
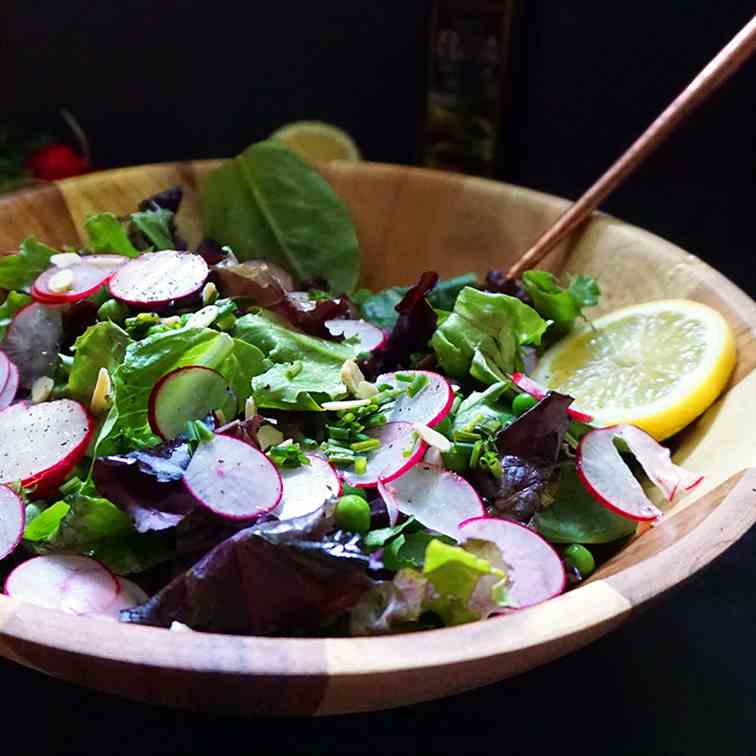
[
  {"x": 580, "y": 558},
  {"x": 113, "y": 310},
  {"x": 522, "y": 403},
  {"x": 353, "y": 514}
]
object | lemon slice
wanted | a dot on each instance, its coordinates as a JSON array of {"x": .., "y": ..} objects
[
  {"x": 315, "y": 140},
  {"x": 656, "y": 365}
]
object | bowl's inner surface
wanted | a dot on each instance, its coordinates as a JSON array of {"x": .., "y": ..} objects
[{"x": 409, "y": 221}]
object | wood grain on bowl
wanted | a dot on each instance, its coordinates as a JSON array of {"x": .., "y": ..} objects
[{"x": 410, "y": 220}]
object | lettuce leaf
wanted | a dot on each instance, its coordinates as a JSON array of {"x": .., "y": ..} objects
[
  {"x": 13, "y": 303},
  {"x": 275, "y": 578},
  {"x": 107, "y": 234},
  {"x": 269, "y": 203},
  {"x": 101, "y": 345},
  {"x": 127, "y": 427},
  {"x": 156, "y": 226},
  {"x": 307, "y": 369},
  {"x": 93, "y": 526},
  {"x": 379, "y": 308},
  {"x": 576, "y": 517},
  {"x": 19, "y": 271},
  {"x": 484, "y": 334},
  {"x": 562, "y": 306},
  {"x": 457, "y": 584},
  {"x": 481, "y": 406}
]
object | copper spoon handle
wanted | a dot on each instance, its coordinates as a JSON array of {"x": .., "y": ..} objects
[{"x": 721, "y": 67}]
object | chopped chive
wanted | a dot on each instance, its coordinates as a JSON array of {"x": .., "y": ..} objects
[
  {"x": 294, "y": 370},
  {"x": 342, "y": 434},
  {"x": 461, "y": 447},
  {"x": 375, "y": 420},
  {"x": 455, "y": 404},
  {"x": 348, "y": 418},
  {"x": 384, "y": 387},
  {"x": 465, "y": 435},
  {"x": 361, "y": 437},
  {"x": 365, "y": 446},
  {"x": 360, "y": 465},
  {"x": 475, "y": 454},
  {"x": 420, "y": 382},
  {"x": 405, "y": 377}
]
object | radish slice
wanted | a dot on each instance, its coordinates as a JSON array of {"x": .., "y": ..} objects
[
  {"x": 157, "y": 279},
  {"x": 10, "y": 386},
  {"x": 233, "y": 479},
  {"x": 656, "y": 461},
  {"x": 307, "y": 487},
  {"x": 534, "y": 568},
  {"x": 428, "y": 407},
  {"x": 609, "y": 480},
  {"x": 188, "y": 393},
  {"x": 66, "y": 582},
  {"x": 88, "y": 276},
  {"x": 369, "y": 337},
  {"x": 33, "y": 340},
  {"x": 529, "y": 386},
  {"x": 128, "y": 596},
  {"x": 12, "y": 520},
  {"x": 41, "y": 443},
  {"x": 439, "y": 499},
  {"x": 400, "y": 450}
]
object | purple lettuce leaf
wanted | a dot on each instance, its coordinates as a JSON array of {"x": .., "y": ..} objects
[
  {"x": 147, "y": 484},
  {"x": 497, "y": 281},
  {"x": 310, "y": 315},
  {"x": 411, "y": 333},
  {"x": 275, "y": 578},
  {"x": 528, "y": 450},
  {"x": 168, "y": 199}
]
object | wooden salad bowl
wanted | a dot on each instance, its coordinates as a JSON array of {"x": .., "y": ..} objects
[{"x": 411, "y": 220}]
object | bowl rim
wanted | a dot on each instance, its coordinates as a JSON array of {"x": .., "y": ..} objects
[{"x": 566, "y": 622}]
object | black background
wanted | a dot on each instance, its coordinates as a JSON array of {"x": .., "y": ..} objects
[{"x": 154, "y": 81}]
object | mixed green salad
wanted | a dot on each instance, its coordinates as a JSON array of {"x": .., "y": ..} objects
[{"x": 236, "y": 438}]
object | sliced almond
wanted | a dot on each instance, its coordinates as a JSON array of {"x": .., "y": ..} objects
[
  {"x": 100, "y": 402},
  {"x": 65, "y": 259},
  {"x": 41, "y": 389},
  {"x": 209, "y": 293},
  {"x": 250, "y": 408},
  {"x": 61, "y": 282},
  {"x": 269, "y": 436},
  {"x": 203, "y": 318},
  {"x": 432, "y": 437},
  {"x": 345, "y": 405}
]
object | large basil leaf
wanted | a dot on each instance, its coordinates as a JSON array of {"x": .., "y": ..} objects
[{"x": 268, "y": 202}]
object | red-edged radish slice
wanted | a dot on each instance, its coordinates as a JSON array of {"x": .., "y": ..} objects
[
  {"x": 5, "y": 364},
  {"x": 439, "y": 499},
  {"x": 369, "y": 337},
  {"x": 400, "y": 450},
  {"x": 188, "y": 393},
  {"x": 10, "y": 385},
  {"x": 33, "y": 340},
  {"x": 86, "y": 276},
  {"x": 41, "y": 443},
  {"x": 429, "y": 406},
  {"x": 129, "y": 596},
  {"x": 66, "y": 582},
  {"x": 233, "y": 479},
  {"x": 12, "y": 520},
  {"x": 529, "y": 386},
  {"x": 609, "y": 480},
  {"x": 534, "y": 568},
  {"x": 157, "y": 279},
  {"x": 9, "y": 390},
  {"x": 656, "y": 461},
  {"x": 307, "y": 487}
]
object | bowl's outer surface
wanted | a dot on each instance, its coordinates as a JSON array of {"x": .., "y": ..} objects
[{"x": 410, "y": 220}]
